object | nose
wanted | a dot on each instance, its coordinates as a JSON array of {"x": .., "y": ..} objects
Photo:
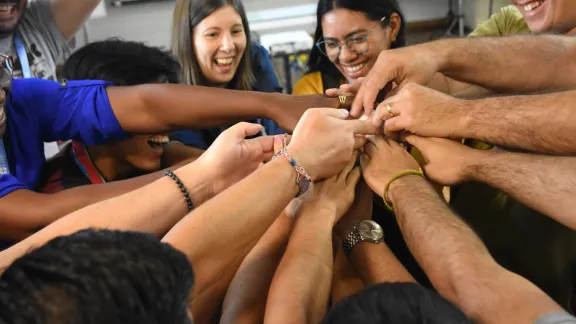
[
  {"x": 346, "y": 55},
  {"x": 227, "y": 43}
]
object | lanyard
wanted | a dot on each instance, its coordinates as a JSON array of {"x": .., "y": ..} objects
[
  {"x": 85, "y": 164},
  {"x": 22, "y": 55},
  {"x": 21, "y": 50}
]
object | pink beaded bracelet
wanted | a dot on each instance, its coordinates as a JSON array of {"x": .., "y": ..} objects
[{"x": 303, "y": 180}]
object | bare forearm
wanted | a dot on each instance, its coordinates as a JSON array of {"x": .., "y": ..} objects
[
  {"x": 70, "y": 15},
  {"x": 24, "y": 212},
  {"x": 458, "y": 263},
  {"x": 544, "y": 183},
  {"x": 134, "y": 211},
  {"x": 246, "y": 297},
  {"x": 164, "y": 107},
  {"x": 541, "y": 123},
  {"x": 471, "y": 60},
  {"x": 301, "y": 286},
  {"x": 205, "y": 236},
  {"x": 375, "y": 263}
]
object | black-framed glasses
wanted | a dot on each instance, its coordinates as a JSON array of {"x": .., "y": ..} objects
[
  {"x": 6, "y": 70},
  {"x": 356, "y": 44}
]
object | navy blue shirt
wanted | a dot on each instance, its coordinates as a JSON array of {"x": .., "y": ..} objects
[
  {"x": 39, "y": 111},
  {"x": 265, "y": 81}
]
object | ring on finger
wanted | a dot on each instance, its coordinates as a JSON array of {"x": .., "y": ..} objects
[{"x": 389, "y": 108}]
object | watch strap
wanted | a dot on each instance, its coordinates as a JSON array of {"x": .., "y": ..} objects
[{"x": 351, "y": 240}]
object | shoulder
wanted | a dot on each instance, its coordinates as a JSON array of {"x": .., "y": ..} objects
[
  {"x": 310, "y": 83},
  {"x": 508, "y": 21}
]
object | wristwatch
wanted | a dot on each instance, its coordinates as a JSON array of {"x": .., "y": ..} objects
[{"x": 365, "y": 231}]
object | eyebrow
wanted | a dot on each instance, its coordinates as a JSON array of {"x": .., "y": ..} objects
[{"x": 352, "y": 33}]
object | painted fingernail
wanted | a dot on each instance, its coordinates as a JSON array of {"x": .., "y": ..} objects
[{"x": 277, "y": 140}]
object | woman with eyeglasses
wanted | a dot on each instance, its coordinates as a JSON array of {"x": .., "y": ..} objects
[{"x": 349, "y": 36}]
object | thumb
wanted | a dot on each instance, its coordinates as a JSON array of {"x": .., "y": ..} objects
[
  {"x": 414, "y": 140},
  {"x": 336, "y": 113},
  {"x": 243, "y": 129}
]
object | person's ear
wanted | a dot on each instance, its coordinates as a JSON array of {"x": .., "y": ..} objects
[{"x": 395, "y": 22}]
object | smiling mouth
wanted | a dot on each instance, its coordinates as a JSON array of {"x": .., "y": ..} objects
[
  {"x": 224, "y": 61},
  {"x": 157, "y": 141},
  {"x": 7, "y": 8},
  {"x": 532, "y": 6},
  {"x": 354, "y": 68}
]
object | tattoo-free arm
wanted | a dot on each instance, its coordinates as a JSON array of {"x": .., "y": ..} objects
[
  {"x": 218, "y": 235},
  {"x": 375, "y": 263},
  {"x": 246, "y": 297},
  {"x": 301, "y": 286},
  {"x": 524, "y": 63},
  {"x": 70, "y": 15},
  {"x": 156, "y": 108},
  {"x": 540, "y": 123},
  {"x": 458, "y": 263},
  {"x": 544, "y": 183}
]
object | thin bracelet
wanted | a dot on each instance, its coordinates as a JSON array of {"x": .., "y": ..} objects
[
  {"x": 396, "y": 177},
  {"x": 171, "y": 174},
  {"x": 303, "y": 180}
]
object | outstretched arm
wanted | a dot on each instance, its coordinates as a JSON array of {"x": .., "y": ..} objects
[{"x": 70, "y": 15}]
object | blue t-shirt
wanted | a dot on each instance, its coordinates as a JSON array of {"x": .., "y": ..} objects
[
  {"x": 39, "y": 111},
  {"x": 265, "y": 81}
]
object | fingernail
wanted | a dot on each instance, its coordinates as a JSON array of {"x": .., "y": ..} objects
[
  {"x": 344, "y": 112},
  {"x": 277, "y": 140}
]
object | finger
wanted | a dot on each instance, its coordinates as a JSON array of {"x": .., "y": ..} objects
[
  {"x": 335, "y": 113},
  {"x": 353, "y": 177},
  {"x": 370, "y": 148},
  {"x": 359, "y": 141},
  {"x": 267, "y": 156},
  {"x": 243, "y": 129},
  {"x": 395, "y": 125},
  {"x": 262, "y": 143},
  {"x": 344, "y": 173},
  {"x": 360, "y": 127},
  {"x": 414, "y": 140},
  {"x": 386, "y": 110},
  {"x": 277, "y": 143},
  {"x": 364, "y": 161}
]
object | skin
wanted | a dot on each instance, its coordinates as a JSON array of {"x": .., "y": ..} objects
[
  {"x": 452, "y": 255},
  {"x": 340, "y": 24},
  {"x": 557, "y": 16},
  {"x": 220, "y": 35}
]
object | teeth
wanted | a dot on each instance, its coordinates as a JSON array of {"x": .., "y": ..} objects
[
  {"x": 7, "y": 7},
  {"x": 160, "y": 139},
  {"x": 354, "y": 68},
  {"x": 531, "y": 6},
  {"x": 224, "y": 60}
]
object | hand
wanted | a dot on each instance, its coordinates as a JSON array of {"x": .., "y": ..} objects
[
  {"x": 422, "y": 111},
  {"x": 447, "y": 161},
  {"x": 323, "y": 141},
  {"x": 414, "y": 64},
  {"x": 288, "y": 116},
  {"x": 336, "y": 193},
  {"x": 360, "y": 210},
  {"x": 231, "y": 157},
  {"x": 347, "y": 89},
  {"x": 383, "y": 158}
]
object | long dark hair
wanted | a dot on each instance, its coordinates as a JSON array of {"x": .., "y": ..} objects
[
  {"x": 187, "y": 15},
  {"x": 373, "y": 9}
]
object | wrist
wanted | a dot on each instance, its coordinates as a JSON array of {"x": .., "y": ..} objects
[
  {"x": 197, "y": 184},
  {"x": 319, "y": 212},
  {"x": 475, "y": 160},
  {"x": 286, "y": 173},
  {"x": 399, "y": 186}
]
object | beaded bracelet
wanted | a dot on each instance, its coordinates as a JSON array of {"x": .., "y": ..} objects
[
  {"x": 303, "y": 179},
  {"x": 171, "y": 174},
  {"x": 396, "y": 177}
]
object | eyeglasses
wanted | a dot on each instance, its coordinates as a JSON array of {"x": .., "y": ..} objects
[
  {"x": 356, "y": 44},
  {"x": 6, "y": 70}
]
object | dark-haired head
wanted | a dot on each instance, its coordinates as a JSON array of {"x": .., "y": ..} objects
[
  {"x": 123, "y": 63},
  {"x": 395, "y": 303},
  {"x": 98, "y": 277},
  {"x": 211, "y": 39},
  {"x": 374, "y": 25}
]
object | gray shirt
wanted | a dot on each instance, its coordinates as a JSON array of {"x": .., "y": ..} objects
[
  {"x": 45, "y": 45},
  {"x": 556, "y": 318}
]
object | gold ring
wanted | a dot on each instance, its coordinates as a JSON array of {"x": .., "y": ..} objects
[
  {"x": 342, "y": 99},
  {"x": 390, "y": 110}
]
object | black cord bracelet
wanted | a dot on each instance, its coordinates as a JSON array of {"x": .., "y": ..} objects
[{"x": 171, "y": 174}]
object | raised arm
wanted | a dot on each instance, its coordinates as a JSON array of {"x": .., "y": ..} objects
[
  {"x": 472, "y": 60},
  {"x": 543, "y": 183},
  {"x": 540, "y": 123},
  {"x": 160, "y": 108},
  {"x": 300, "y": 290},
  {"x": 322, "y": 143},
  {"x": 453, "y": 257},
  {"x": 70, "y": 15}
]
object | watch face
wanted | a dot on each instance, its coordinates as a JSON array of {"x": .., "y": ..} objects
[{"x": 370, "y": 231}]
